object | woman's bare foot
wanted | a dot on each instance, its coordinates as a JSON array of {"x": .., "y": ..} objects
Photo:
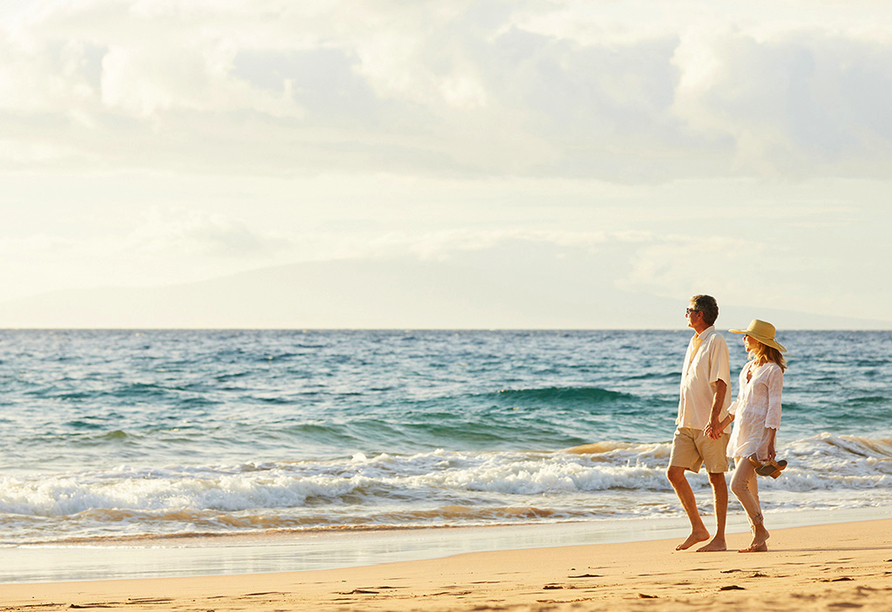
[
  {"x": 760, "y": 540},
  {"x": 694, "y": 538}
]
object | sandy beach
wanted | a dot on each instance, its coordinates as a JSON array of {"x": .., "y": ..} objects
[{"x": 829, "y": 567}]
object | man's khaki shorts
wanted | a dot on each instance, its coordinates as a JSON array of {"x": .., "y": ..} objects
[{"x": 692, "y": 448}]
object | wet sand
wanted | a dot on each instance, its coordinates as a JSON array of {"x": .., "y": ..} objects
[{"x": 843, "y": 566}]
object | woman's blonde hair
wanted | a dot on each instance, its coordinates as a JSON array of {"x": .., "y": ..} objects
[{"x": 768, "y": 353}]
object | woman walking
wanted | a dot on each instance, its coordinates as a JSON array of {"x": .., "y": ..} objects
[{"x": 757, "y": 417}]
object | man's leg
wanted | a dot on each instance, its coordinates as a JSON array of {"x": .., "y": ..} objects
[
  {"x": 682, "y": 487},
  {"x": 720, "y": 498}
]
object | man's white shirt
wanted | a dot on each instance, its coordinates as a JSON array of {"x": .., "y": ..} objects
[{"x": 706, "y": 362}]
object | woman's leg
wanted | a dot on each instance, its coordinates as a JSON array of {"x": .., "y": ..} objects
[
  {"x": 753, "y": 484},
  {"x": 746, "y": 489}
]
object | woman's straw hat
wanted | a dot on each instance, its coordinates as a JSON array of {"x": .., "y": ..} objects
[{"x": 763, "y": 332}]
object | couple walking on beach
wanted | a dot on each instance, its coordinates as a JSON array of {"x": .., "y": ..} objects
[{"x": 705, "y": 411}]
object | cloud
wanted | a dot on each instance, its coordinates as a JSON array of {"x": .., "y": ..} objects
[
  {"x": 473, "y": 89},
  {"x": 181, "y": 233},
  {"x": 753, "y": 270},
  {"x": 679, "y": 265},
  {"x": 800, "y": 103},
  {"x": 166, "y": 245}
]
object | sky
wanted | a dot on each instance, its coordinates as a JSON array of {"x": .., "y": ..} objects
[{"x": 660, "y": 149}]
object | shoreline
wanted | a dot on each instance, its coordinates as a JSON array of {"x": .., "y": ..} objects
[
  {"x": 241, "y": 554},
  {"x": 823, "y": 567}
]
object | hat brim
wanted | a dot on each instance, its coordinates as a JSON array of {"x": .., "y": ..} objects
[{"x": 766, "y": 341}]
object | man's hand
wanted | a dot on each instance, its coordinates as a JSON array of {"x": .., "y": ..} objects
[{"x": 714, "y": 429}]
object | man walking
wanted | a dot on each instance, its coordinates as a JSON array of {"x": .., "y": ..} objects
[{"x": 699, "y": 436}]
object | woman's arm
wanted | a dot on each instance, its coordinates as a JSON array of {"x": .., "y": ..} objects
[
  {"x": 775, "y": 384},
  {"x": 773, "y": 416},
  {"x": 772, "y": 450}
]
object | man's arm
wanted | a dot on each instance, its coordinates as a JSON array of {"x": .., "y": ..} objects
[{"x": 715, "y": 428}]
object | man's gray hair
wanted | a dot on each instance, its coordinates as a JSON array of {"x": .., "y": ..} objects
[{"x": 708, "y": 306}]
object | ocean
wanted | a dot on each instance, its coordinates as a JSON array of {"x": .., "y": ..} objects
[{"x": 116, "y": 440}]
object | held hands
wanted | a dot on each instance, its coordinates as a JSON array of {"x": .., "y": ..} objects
[{"x": 714, "y": 429}]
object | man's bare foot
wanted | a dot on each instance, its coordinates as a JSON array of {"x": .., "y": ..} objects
[
  {"x": 694, "y": 538},
  {"x": 763, "y": 547},
  {"x": 716, "y": 545}
]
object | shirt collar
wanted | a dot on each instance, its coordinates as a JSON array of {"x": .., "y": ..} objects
[{"x": 706, "y": 333}]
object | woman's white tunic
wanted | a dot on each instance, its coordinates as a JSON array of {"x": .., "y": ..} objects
[{"x": 756, "y": 410}]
